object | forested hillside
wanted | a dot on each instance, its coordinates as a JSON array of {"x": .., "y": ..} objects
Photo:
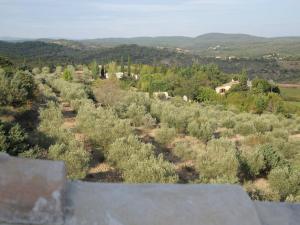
[
  {"x": 213, "y": 44},
  {"x": 37, "y": 53}
]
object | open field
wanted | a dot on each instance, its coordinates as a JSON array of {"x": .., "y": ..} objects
[{"x": 291, "y": 93}]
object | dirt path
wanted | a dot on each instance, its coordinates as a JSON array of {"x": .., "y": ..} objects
[
  {"x": 99, "y": 171},
  {"x": 184, "y": 168},
  {"x": 295, "y": 137},
  {"x": 289, "y": 85}
]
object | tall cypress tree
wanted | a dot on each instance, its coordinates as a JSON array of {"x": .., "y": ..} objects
[
  {"x": 122, "y": 65},
  {"x": 103, "y": 72},
  {"x": 155, "y": 65},
  {"x": 129, "y": 66},
  {"x": 95, "y": 69}
]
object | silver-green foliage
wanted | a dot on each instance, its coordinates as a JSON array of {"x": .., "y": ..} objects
[
  {"x": 252, "y": 161},
  {"x": 202, "y": 129},
  {"x": 102, "y": 126},
  {"x": 218, "y": 162},
  {"x": 74, "y": 155},
  {"x": 188, "y": 151},
  {"x": 65, "y": 146},
  {"x": 69, "y": 91},
  {"x": 138, "y": 162},
  {"x": 165, "y": 134},
  {"x": 285, "y": 181}
]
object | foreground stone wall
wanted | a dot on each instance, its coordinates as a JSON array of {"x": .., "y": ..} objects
[{"x": 37, "y": 192}]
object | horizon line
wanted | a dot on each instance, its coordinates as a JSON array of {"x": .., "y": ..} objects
[{"x": 3, "y": 38}]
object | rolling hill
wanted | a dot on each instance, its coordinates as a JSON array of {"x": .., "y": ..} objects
[
  {"x": 37, "y": 52},
  {"x": 207, "y": 45},
  {"x": 147, "y": 50},
  {"x": 213, "y": 44}
]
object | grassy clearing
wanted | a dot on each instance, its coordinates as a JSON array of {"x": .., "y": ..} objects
[
  {"x": 295, "y": 103},
  {"x": 291, "y": 94}
]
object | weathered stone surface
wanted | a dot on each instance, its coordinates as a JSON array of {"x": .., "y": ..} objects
[
  {"x": 274, "y": 213},
  {"x": 123, "y": 204},
  {"x": 31, "y": 191}
]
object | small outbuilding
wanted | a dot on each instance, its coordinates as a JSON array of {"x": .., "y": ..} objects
[{"x": 226, "y": 87}]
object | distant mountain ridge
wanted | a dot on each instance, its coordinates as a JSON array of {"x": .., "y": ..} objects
[{"x": 211, "y": 44}]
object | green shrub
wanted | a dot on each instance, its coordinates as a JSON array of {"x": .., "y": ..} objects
[
  {"x": 36, "y": 71},
  {"x": 245, "y": 128},
  {"x": 69, "y": 91},
  {"x": 260, "y": 194},
  {"x": 289, "y": 150},
  {"x": 227, "y": 133},
  {"x": 51, "y": 120},
  {"x": 279, "y": 134},
  {"x": 136, "y": 114},
  {"x": 186, "y": 150},
  {"x": 262, "y": 126},
  {"x": 45, "y": 70},
  {"x": 153, "y": 170},
  {"x": 13, "y": 139},
  {"x": 156, "y": 109},
  {"x": 218, "y": 162},
  {"x": 58, "y": 71},
  {"x": 229, "y": 123},
  {"x": 203, "y": 130},
  {"x": 75, "y": 157},
  {"x": 76, "y": 104},
  {"x": 123, "y": 149},
  {"x": 67, "y": 75},
  {"x": 47, "y": 93},
  {"x": 271, "y": 157},
  {"x": 3, "y": 139},
  {"x": 172, "y": 115},
  {"x": 285, "y": 181},
  {"x": 108, "y": 92},
  {"x": 252, "y": 161},
  {"x": 165, "y": 135},
  {"x": 293, "y": 199},
  {"x": 102, "y": 126},
  {"x": 137, "y": 162},
  {"x": 17, "y": 140},
  {"x": 16, "y": 89},
  {"x": 206, "y": 94},
  {"x": 33, "y": 153},
  {"x": 148, "y": 121},
  {"x": 260, "y": 104}
]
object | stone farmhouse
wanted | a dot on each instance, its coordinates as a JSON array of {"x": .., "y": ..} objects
[{"x": 226, "y": 87}]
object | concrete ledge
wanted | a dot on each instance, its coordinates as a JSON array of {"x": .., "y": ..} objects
[
  {"x": 31, "y": 191},
  {"x": 123, "y": 204},
  {"x": 271, "y": 213}
]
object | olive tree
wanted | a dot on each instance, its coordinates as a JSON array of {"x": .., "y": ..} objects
[{"x": 218, "y": 162}]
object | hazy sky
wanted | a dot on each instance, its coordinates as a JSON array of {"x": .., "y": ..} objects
[{"x": 123, "y": 18}]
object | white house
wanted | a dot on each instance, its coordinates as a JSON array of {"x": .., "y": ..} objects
[
  {"x": 119, "y": 75},
  {"x": 226, "y": 87}
]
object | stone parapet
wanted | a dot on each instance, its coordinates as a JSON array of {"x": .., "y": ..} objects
[
  {"x": 31, "y": 191},
  {"x": 37, "y": 192}
]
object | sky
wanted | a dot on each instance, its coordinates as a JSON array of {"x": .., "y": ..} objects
[{"x": 81, "y": 19}]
